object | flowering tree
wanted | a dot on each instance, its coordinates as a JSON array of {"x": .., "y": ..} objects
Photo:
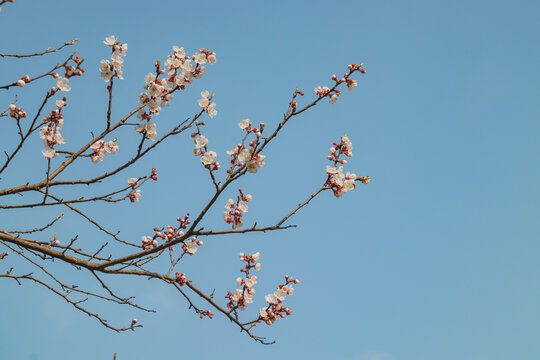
[{"x": 159, "y": 252}]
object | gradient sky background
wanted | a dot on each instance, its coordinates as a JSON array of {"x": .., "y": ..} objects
[{"x": 436, "y": 259}]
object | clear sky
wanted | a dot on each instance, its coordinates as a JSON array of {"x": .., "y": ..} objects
[{"x": 436, "y": 259}]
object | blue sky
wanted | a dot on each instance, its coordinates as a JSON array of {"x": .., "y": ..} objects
[{"x": 437, "y": 258}]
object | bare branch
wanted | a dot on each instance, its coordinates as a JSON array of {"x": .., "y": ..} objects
[{"x": 47, "y": 51}]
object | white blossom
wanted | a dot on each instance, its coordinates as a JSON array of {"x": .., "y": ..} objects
[
  {"x": 347, "y": 146},
  {"x": 211, "y": 110},
  {"x": 63, "y": 84},
  {"x": 110, "y": 41},
  {"x": 321, "y": 90},
  {"x": 149, "y": 78},
  {"x": 271, "y": 299},
  {"x": 49, "y": 153},
  {"x": 208, "y": 157},
  {"x": 150, "y": 129},
  {"x": 244, "y": 124},
  {"x": 200, "y": 58},
  {"x": 201, "y": 141},
  {"x": 245, "y": 155},
  {"x": 242, "y": 206},
  {"x": 254, "y": 164},
  {"x": 234, "y": 150},
  {"x": 251, "y": 281},
  {"x": 105, "y": 70},
  {"x": 179, "y": 51},
  {"x": 137, "y": 196},
  {"x": 191, "y": 246}
]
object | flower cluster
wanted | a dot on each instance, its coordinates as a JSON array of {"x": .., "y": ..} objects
[
  {"x": 100, "y": 149},
  {"x": 203, "y": 56},
  {"x": 244, "y": 296},
  {"x": 205, "y": 103},
  {"x": 234, "y": 213},
  {"x": 181, "y": 279},
  {"x": 247, "y": 156},
  {"x": 257, "y": 160},
  {"x": 108, "y": 70},
  {"x": 169, "y": 233},
  {"x": 333, "y": 94},
  {"x": 339, "y": 182},
  {"x": 157, "y": 96},
  {"x": 50, "y": 133},
  {"x": 323, "y": 91},
  {"x": 62, "y": 83},
  {"x": 148, "y": 242},
  {"x": 206, "y": 313},
  {"x": 16, "y": 112},
  {"x": 148, "y": 128},
  {"x": 275, "y": 306},
  {"x": 179, "y": 71},
  {"x": 207, "y": 157},
  {"x": 135, "y": 194}
]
